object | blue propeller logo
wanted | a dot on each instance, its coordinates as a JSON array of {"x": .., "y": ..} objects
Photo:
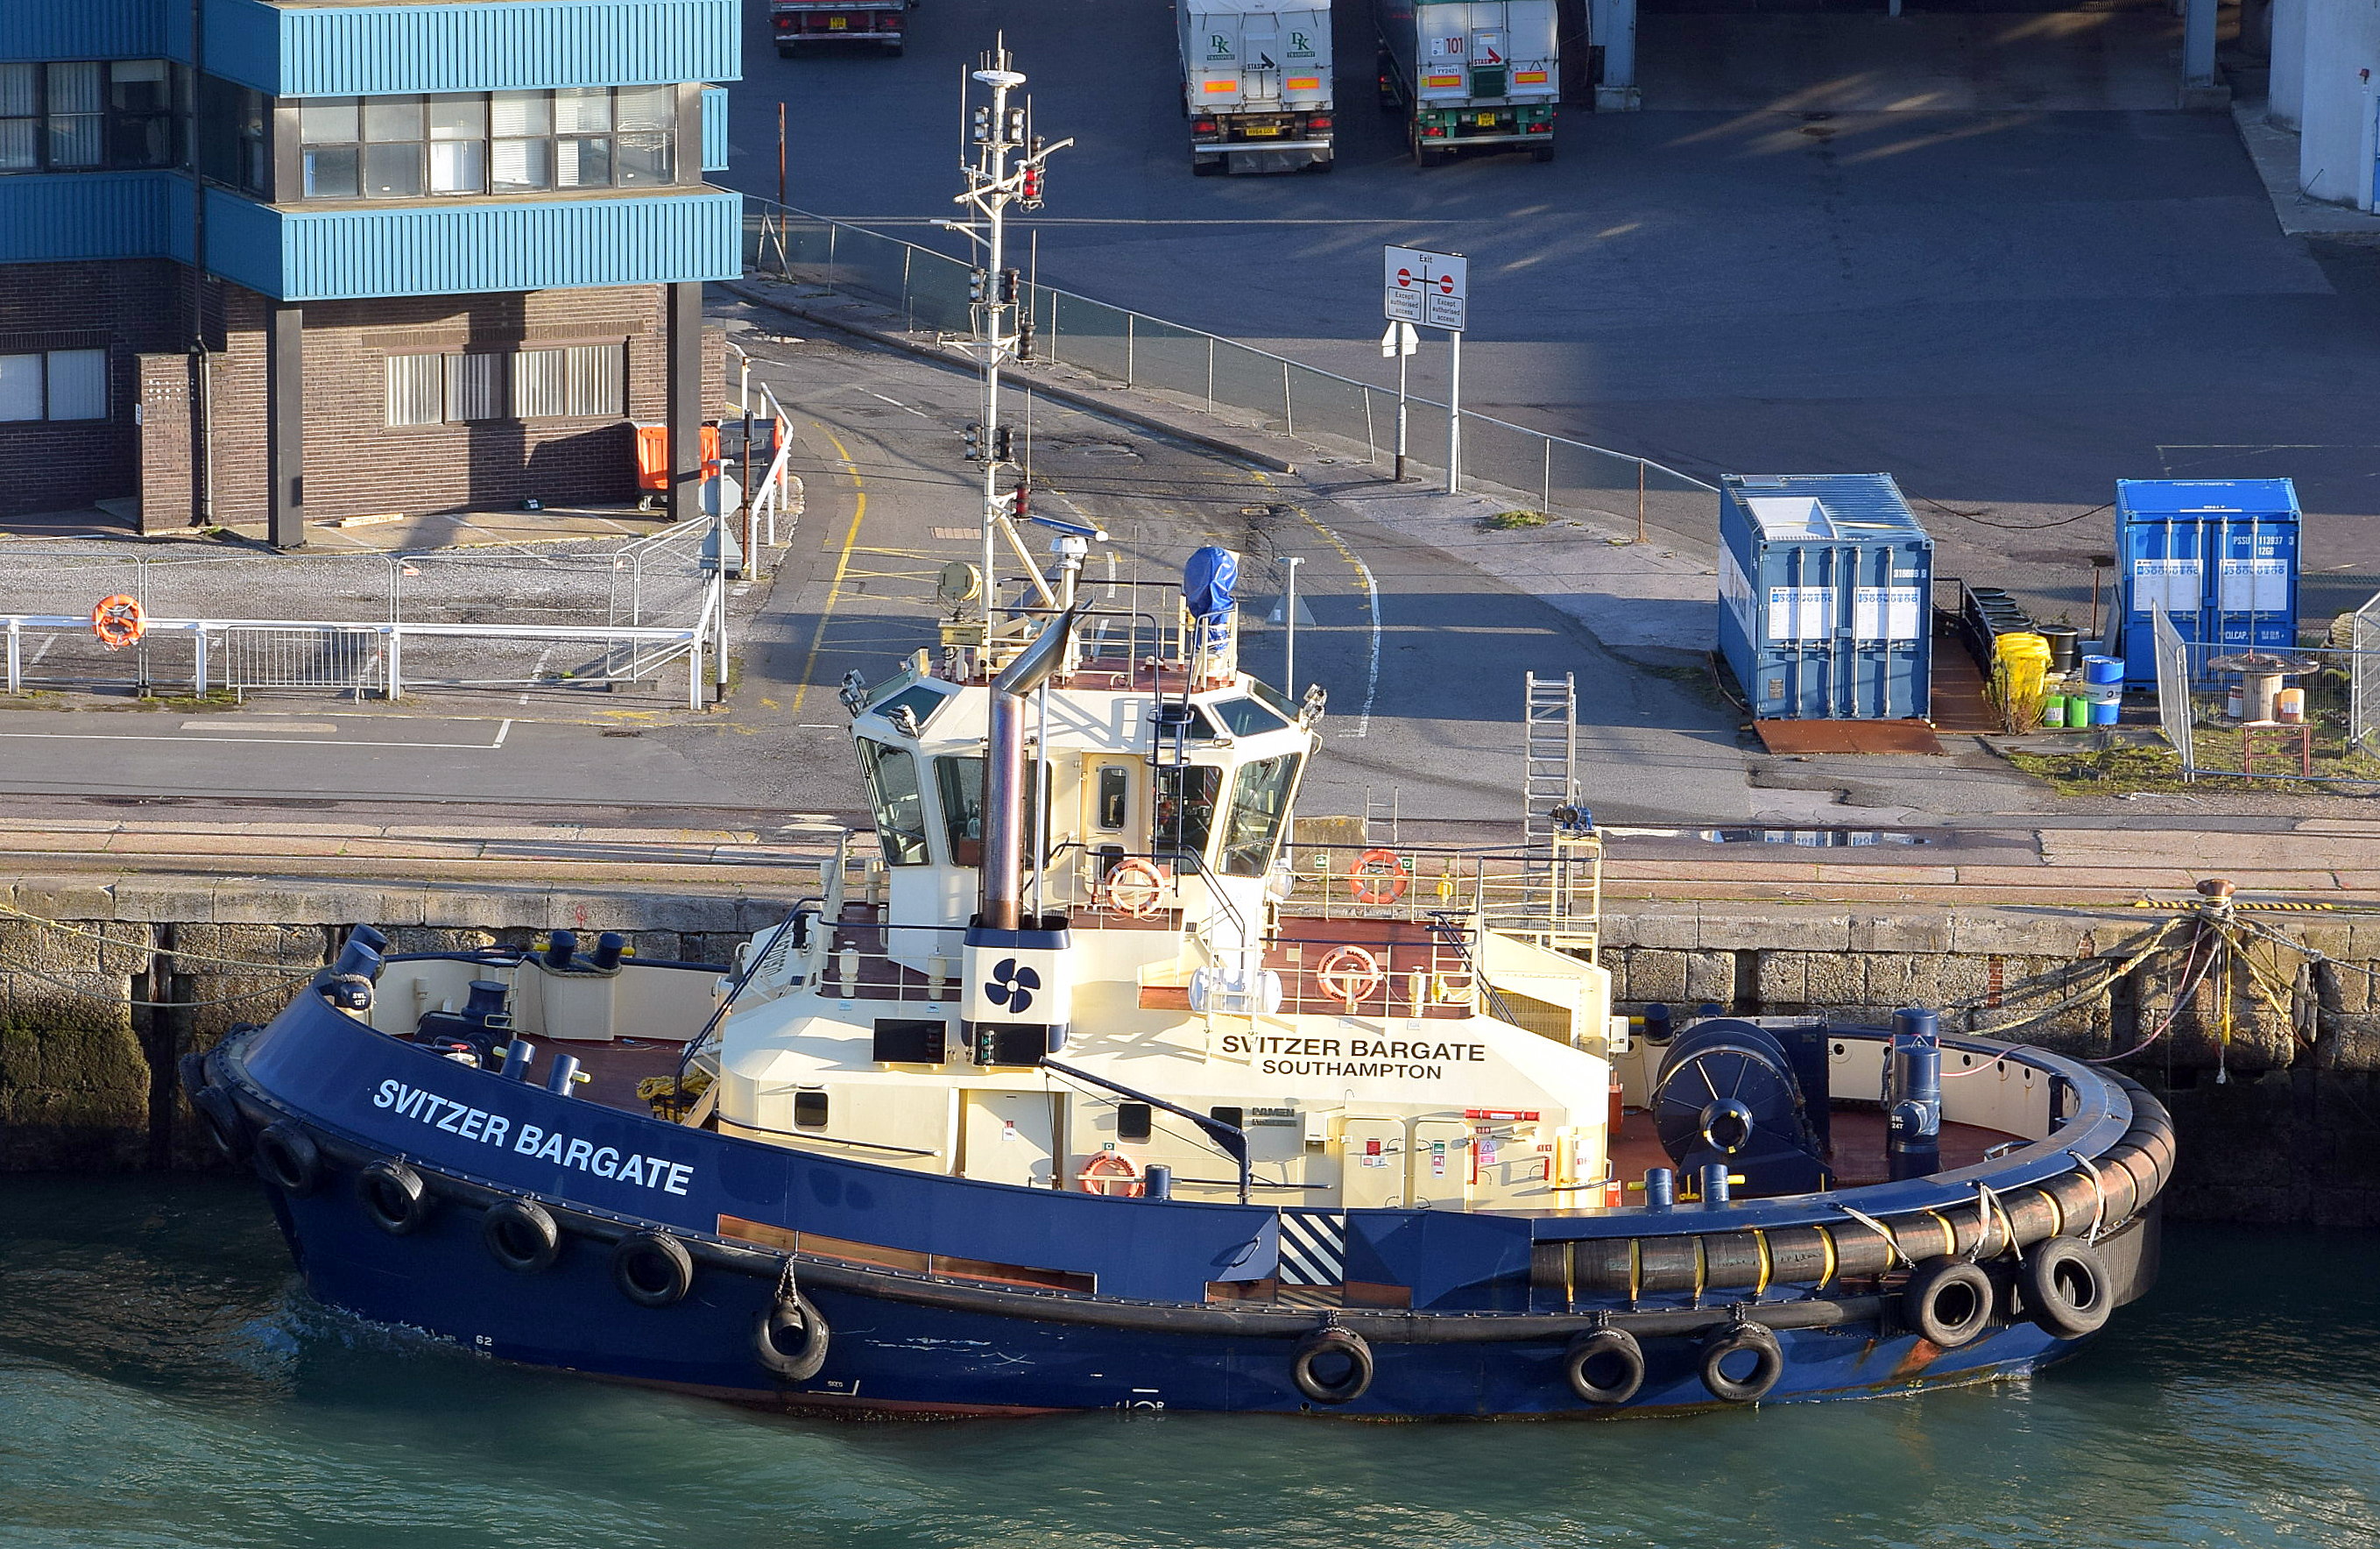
[{"x": 1012, "y": 986}]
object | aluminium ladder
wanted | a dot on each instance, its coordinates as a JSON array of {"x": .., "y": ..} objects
[{"x": 1548, "y": 752}]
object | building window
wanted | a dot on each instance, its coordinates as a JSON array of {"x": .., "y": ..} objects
[
  {"x": 417, "y": 389},
  {"x": 54, "y": 384},
  {"x": 234, "y": 137},
  {"x": 88, "y": 115},
  {"x": 479, "y": 142},
  {"x": 582, "y": 381}
]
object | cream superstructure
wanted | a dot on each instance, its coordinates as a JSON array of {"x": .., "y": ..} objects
[{"x": 1358, "y": 1016}]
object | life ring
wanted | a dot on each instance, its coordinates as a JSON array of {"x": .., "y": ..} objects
[
  {"x": 1349, "y": 974},
  {"x": 1136, "y": 886},
  {"x": 1111, "y": 1174},
  {"x": 1365, "y": 871},
  {"x": 1768, "y": 1366},
  {"x": 1614, "y": 1352},
  {"x": 652, "y": 1269},
  {"x": 2065, "y": 1285},
  {"x": 118, "y": 621},
  {"x": 287, "y": 1158},
  {"x": 1947, "y": 1302},
  {"x": 1306, "y": 1367},
  {"x": 792, "y": 1311},
  {"x": 394, "y": 1196},
  {"x": 521, "y": 1234}
]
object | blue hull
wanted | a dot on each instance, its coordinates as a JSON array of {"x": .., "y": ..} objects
[
  {"x": 927, "y": 1283},
  {"x": 892, "y": 1358}
]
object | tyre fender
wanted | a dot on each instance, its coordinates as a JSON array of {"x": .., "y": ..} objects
[
  {"x": 394, "y": 1197},
  {"x": 1304, "y": 1365},
  {"x": 1615, "y": 1355},
  {"x": 1947, "y": 1302},
  {"x": 2067, "y": 1290},
  {"x": 1766, "y": 1373},
  {"x": 287, "y": 1158},
  {"x": 791, "y": 1314},
  {"x": 522, "y": 1236},
  {"x": 652, "y": 1269}
]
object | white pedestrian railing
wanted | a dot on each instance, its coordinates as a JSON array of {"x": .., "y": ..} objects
[{"x": 242, "y": 654}]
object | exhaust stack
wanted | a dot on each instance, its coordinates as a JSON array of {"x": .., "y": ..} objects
[{"x": 1005, "y": 821}]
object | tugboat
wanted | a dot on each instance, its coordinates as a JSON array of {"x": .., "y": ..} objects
[{"x": 1084, "y": 1083}]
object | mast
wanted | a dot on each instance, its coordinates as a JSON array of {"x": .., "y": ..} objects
[{"x": 997, "y": 131}]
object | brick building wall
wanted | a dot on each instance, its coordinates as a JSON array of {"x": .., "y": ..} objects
[
  {"x": 356, "y": 463},
  {"x": 128, "y": 307}
]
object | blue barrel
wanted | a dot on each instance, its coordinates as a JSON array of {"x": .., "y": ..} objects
[
  {"x": 1827, "y": 596},
  {"x": 2106, "y": 712},
  {"x": 2103, "y": 669}
]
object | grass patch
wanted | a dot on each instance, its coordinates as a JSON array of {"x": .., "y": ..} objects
[{"x": 1514, "y": 521}]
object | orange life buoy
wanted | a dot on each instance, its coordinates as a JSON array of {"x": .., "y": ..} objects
[
  {"x": 1137, "y": 887},
  {"x": 118, "y": 621},
  {"x": 1349, "y": 974},
  {"x": 1366, "y": 872},
  {"x": 1111, "y": 1175}
]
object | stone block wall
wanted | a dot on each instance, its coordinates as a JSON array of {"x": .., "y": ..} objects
[{"x": 2275, "y": 1084}]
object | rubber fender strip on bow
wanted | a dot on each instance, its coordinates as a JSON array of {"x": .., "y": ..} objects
[{"x": 1891, "y": 1242}]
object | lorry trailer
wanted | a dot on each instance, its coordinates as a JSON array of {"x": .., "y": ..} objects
[
  {"x": 1470, "y": 75},
  {"x": 1256, "y": 85},
  {"x": 796, "y": 23}
]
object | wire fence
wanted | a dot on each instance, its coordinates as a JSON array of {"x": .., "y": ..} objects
[
  {"x": 599, "y": 616},
  {"x": 2318, "y": 728},
  {"x": 1336, "y": 414}
]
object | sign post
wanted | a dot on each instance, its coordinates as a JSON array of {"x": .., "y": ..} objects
[
  {"x": 1401, "y": 342},
  {"x": 1433, "y": 289}
]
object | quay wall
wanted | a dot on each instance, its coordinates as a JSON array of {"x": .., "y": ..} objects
[{"x": 2270, "y": 1063}]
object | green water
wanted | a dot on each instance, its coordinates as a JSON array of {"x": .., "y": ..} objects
[{"x": 164, "y": 1382}]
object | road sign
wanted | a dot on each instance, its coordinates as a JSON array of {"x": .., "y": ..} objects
[
  {"x": 1400, "y": 339},
  {"x": 1431, "y": 289}
]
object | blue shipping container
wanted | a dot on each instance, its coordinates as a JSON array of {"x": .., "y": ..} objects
[
  {"x": 1826, "y": 596},
  {"x": 2220, "y": 556}
]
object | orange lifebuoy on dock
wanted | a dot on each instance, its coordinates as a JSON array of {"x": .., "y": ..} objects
[
  {"x": 118, "y": 621},
  {"x": 1111, "y": 1175},
  {"x": 1368, "y": 883}
]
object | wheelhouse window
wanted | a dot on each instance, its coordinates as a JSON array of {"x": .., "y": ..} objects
[
  {"x": 1245, "y": 717},
  {"x": 461, "y": 144},
  {"x": 1260, "y": 797},
  {"x": 1185, "y": 808},
  {"x": 900, "y": 802},
  {"x": 959, "y": 783},
  {"x": 89, "y": 116}
]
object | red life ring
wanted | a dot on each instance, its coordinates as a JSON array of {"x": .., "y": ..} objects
[
  {"x": 118, "y": 621},
  {"x": 1349, "y": 974},
  {"x": 1111, "y": 1175},
  {"x": 1366, "y": 870},
  {"x": 1137, "y": 887}
]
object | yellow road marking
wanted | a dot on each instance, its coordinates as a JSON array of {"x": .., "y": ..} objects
[{"x": 841, "y": 563}]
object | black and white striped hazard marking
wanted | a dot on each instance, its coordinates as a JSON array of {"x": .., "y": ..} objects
[{"x": 1313, "y": 1249}]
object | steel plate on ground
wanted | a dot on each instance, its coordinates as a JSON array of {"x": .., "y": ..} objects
[{"x": 1847, "y": 736}]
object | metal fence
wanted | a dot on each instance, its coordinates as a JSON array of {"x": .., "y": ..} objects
[
  {"x": 1336, "y": 414},
  {"x": 607, "y": 615},
  {"x": 2330, "y": 742}
]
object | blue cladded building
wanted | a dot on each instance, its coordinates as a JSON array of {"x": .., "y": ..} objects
[{"x": 264, "y": 260}]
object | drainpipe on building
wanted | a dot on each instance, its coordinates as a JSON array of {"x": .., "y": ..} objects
[{"x": 203, "y": 400}]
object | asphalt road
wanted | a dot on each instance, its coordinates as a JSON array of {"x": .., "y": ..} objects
[{"x": 2006, "y": 309}]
